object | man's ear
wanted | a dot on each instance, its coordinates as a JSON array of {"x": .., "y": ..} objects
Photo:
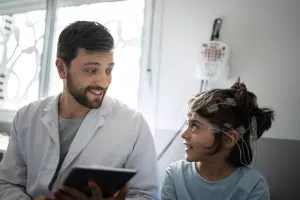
[
  {"x": 61, "y": 68},
  {"x": 230, "y": 139}
]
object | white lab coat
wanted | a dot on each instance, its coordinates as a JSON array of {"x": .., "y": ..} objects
[{"x": 112, "y": 135}]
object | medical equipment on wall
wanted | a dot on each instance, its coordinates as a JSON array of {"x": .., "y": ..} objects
[{"x": 213, "y": 60}]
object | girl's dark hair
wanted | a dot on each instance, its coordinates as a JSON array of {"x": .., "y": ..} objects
[{"x": 232, "y": 116}]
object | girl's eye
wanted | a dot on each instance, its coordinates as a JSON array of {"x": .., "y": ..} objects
[{"x": 193, "y": 127}]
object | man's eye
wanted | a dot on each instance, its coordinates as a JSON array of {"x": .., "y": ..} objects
[
  {"x": 108, "y": 72},
  {"x": 91, "y": 70}
]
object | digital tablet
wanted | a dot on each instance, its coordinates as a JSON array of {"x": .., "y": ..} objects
[{"x": 110, "y": 180}]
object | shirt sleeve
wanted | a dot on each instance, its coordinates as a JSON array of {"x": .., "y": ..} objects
[
  {"x": 260, "y": 191},
  {"x": 168, "y": 189},
  {"x": 13, "y": 170},
  {"x": 145, "y": 184}
]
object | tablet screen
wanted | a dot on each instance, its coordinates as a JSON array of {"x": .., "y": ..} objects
[{"x": 110, "y": 180}]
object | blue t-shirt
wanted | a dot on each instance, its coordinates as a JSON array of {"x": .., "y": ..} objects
[{"x": 183, "y": 182}]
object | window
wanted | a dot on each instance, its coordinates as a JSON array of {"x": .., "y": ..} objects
[
  {"x": 24, "y": 36},
  {"x": 21, "y": 46}
]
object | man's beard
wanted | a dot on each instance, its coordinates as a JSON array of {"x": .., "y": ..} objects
[{"x": 81, "y": 96}]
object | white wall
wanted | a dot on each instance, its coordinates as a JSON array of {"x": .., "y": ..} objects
[{"x": 264, "y": 36}]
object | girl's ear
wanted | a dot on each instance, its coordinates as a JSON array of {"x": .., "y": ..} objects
[{"x": 230, "y": 139}]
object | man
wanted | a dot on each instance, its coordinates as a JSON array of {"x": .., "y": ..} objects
[{"x": 79, "y": 126}]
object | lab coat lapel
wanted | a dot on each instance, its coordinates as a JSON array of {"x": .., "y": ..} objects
[
  {"x": 94, "y": 120},
  {"x": 50, "y": 120}
]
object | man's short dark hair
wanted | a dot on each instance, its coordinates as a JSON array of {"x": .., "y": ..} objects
[{"x": 89, "y": 35}]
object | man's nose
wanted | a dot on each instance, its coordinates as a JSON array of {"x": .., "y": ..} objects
[{"x": 102, "y": 81}]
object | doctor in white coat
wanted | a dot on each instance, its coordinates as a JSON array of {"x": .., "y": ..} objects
[{"x": 79, "y": 126}]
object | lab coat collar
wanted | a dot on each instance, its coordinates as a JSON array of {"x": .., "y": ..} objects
[
  {"x": 50, "y": 120},
  {"x": 93, "y": 120}
]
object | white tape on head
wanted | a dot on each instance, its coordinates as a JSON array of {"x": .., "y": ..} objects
[
  {"x": 228, "y": 125},
  {"x": 214, "y": 128},
  {"x": 230, "y": 102},
  {"x": 241, "y": 130},
  {"x": 212, "y": 108}
]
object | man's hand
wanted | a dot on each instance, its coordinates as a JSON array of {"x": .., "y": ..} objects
[
  {"x": 67, "y": 193},
  {"x": 43, "y": 198}
]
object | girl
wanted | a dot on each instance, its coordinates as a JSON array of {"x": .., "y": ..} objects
[{"x": 222, "y": 127}]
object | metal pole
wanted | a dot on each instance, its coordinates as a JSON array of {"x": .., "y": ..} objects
[{"x": 47, "y": 48}]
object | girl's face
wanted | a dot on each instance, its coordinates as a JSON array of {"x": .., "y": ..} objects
[{"x": 198, "y": 138}]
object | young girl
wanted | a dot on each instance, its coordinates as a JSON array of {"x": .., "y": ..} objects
[{"x": 223, "y": 126}]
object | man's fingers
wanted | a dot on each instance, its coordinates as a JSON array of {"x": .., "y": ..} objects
[
  {"x": 75, "y": 194},
  {"x": 123, "y": 192},
  {"x": 96, "y": 191},
  {"x": 58, "y": 195},
  {"x": 43, "y": 198}
]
